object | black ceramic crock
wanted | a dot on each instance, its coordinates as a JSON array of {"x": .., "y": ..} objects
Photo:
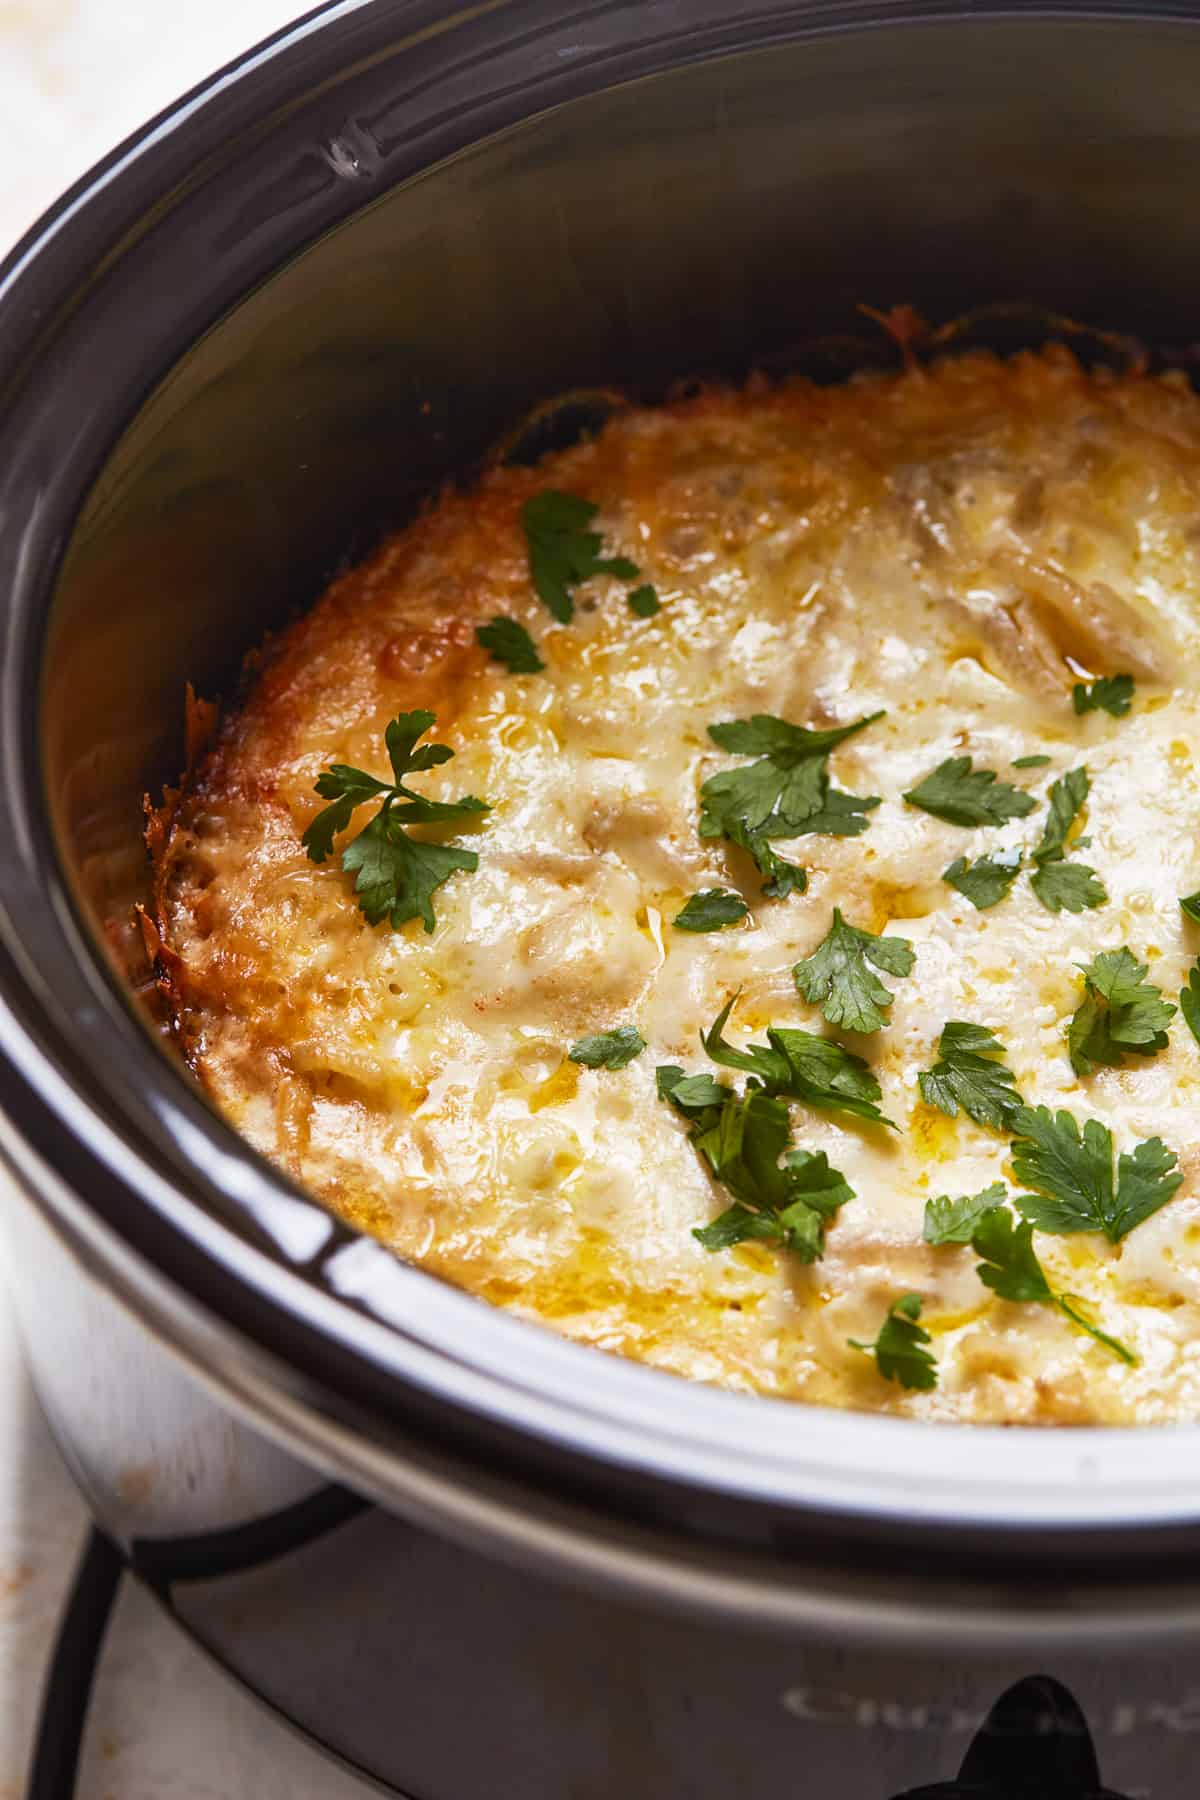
[{"x": 246, "y": 344}]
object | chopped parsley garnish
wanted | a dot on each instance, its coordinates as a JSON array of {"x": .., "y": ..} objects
[
  {"x": 968, "y": 1074},
  {"x": 899, "y": 1350},
  {"x": 689, "y": 1094},
  {"x": 1031, "y": 762},
  {"x": 741, "y": 1138},
  {"x": 954, "y": 1221},
  {"x": 1067, "y": 886},
  {"x": 783, "y": 878},
  {"x": 785, "y": 793},
  {"x": 987, "y": 880},
  {"x": 1190, "y": 907},
  {"x": 564, "y": 551},
  {"x": 1112, "y": 694},
  {"x": 963, "y": 795},
  {"x": 614, "y": 1049},
  {"x": 1010, "y": 1266},
  {"x": 396, "y": 875},
  {"x": 799, "y": 1065},
  {"x": 1189, "y": 1001},
  {"x": 1011, "y": 1269},
  {"x": 507, "y": 641},
  {"x": 644, "y": 601},
  {"x": 1120, "y": 1011},
  {"x": 710, "y": 910},
  {"x": 837, "y": 978},
  {"x": 1064, "y": 886},
  {"x": 1066, "y": 799},
  {"x": 1072, "y": 1173}
]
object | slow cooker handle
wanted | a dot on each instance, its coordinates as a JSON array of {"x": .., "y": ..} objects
[{"x": 1033, "y": 1745}]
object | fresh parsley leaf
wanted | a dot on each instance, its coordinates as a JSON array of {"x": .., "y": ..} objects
[
  {"x": 614, "y": 1049},
  {"x": 966, "y": 1074},
  {"x": 799, "y": 1065},
  {"x": 396, "y": 875},
  {"x": 563, "y": 551},
  {"x": 1189, "y": 1001},
  {"x": 963, "y": 795},
  {"x": 695, "y": 1096},
  {"x": 352, "y": 787},
  {"x": 1068, "y": 795},
  {"x": 710, "y": 910},
  {"x": 1113, "y": 693},
  {"x": 987, "y": 880},
  {"x": 1011, "y": 1269},
  {"x": 950, "y": 1221},
  {"x": 742, "y": 1136},
  {"x": 1146, "y": 1179},
  {"x": 1190, "y": 907},
  {"x": 1010, "y": 1266},
  {"x": 644, "y": 601},
  {"x": 1120, "y": 1011},
  {"x": 1068, "y": 886},
  {"x": 1059, "y": 885},
  {"x": 507, "y": 641},
  {"x": 780, "y": 742},
  {"x": 788, "y": 1204},
  {"x": 785, "y": 793},
  {"x": 837, "y": 979},
  {"x": 783, "y": 878},
  {"x": 899, "y": 1348},
  {"x": 1072, "y": 1173},
  {"x": 1031, "y": 762},
  {"x": 667, "y": 1077}
]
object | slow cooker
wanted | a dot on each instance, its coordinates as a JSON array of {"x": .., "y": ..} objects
[{"x": 469, "y": 1558}]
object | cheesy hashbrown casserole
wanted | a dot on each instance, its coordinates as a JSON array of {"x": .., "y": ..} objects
[{"x": 786, "y": 984}]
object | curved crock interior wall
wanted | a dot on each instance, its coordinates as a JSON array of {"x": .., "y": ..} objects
[{"x": 690, "y": 221}]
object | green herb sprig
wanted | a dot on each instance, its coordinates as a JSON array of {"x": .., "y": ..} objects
[
  {"x": 396, "y": 875},
  {"x": 969, "y": 1074},
  {"x": 1072, "y": 1175},
  {"x": 785, "y": 793},
  {"x": 1064, "y": 886},
  {"x": 799, "y": 1065},
  {"x": 899, "y": 1348},
  {"x": 711, "y": 910},
  {"x": 508, "y": 642},
  {"x": 564, "y": 551},
  {"x": 1189, "y": 1001},
  {"x": 838, "y": 976},
  {"x": 1121, "y": 1013},
  {"x": 741, "y": 1138},
  {"x": 963, "y": 795},
  {"x": 614, "y": 1049},
  {"x": 986, "y": 881},
  {"x": 1010, "y": 1267},
  {"x": 1112, "y": 694}
]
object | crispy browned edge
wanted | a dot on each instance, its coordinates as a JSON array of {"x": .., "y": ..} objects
[{"x": 209, "y": 727}]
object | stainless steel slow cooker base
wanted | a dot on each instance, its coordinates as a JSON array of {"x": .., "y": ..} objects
[
  {"x": 449, "y": 1677},
  {"x": 442, "y": 1673}
]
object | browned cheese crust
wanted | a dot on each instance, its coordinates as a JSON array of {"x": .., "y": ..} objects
[{"x": 954, "y": 545}]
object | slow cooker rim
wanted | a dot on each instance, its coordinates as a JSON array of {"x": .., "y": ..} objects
[{"x": 745, "y": 1430}]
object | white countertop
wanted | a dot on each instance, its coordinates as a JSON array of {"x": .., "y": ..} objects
[{"x": 76, "y": 76}]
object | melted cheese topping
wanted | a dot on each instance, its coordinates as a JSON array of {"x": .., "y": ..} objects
[{"x": 953, "y": 545}]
